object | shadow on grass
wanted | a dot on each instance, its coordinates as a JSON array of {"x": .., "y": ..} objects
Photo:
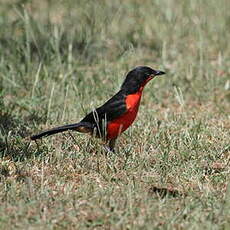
[
  {"x": 164, "y": 192},
  {"x": 14, "y": 136}
]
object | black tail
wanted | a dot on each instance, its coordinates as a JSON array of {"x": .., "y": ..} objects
[{"x": 83, "y": 127}]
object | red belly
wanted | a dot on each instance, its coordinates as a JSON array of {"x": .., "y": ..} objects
[{"x": 119, "y": 125}]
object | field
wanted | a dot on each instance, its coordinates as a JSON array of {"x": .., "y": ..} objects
[{"x": 61, "y": 59}]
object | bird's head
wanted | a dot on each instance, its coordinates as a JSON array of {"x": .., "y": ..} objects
[{"x": 137, "y": 78}]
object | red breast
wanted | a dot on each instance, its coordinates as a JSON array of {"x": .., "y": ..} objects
[{"x": 119, "y": 125}]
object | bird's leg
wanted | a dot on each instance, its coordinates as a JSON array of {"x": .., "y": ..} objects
[
  {"x": 109, "y": 146},
  {"x": 112, "y": 144}
]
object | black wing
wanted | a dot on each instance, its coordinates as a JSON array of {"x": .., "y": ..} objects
[{"x": 111, "y": 110}]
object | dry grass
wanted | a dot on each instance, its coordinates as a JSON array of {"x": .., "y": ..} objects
[{"x": 60, "y": 60}]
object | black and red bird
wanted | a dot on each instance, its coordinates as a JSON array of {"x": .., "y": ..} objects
[{"x": 117, "y": 114}]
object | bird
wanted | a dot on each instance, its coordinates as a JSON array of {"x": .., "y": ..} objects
[{"x": 115, "y": 115}]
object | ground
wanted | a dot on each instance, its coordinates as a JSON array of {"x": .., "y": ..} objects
[{"x": 61, "y": 59}]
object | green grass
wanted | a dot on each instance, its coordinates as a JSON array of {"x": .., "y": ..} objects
[{"x": 60, "y": 59}]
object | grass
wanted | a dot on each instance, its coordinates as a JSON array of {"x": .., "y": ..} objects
[{"x": 61, "y": 59}]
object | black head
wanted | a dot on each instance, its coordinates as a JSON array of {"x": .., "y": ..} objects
[{"x": 138, "y": 77}]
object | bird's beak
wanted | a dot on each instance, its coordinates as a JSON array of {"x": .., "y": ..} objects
[{"x": 158, "y": 72}]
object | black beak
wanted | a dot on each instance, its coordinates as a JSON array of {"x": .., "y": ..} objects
[{"x": 158, "y": 72}]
